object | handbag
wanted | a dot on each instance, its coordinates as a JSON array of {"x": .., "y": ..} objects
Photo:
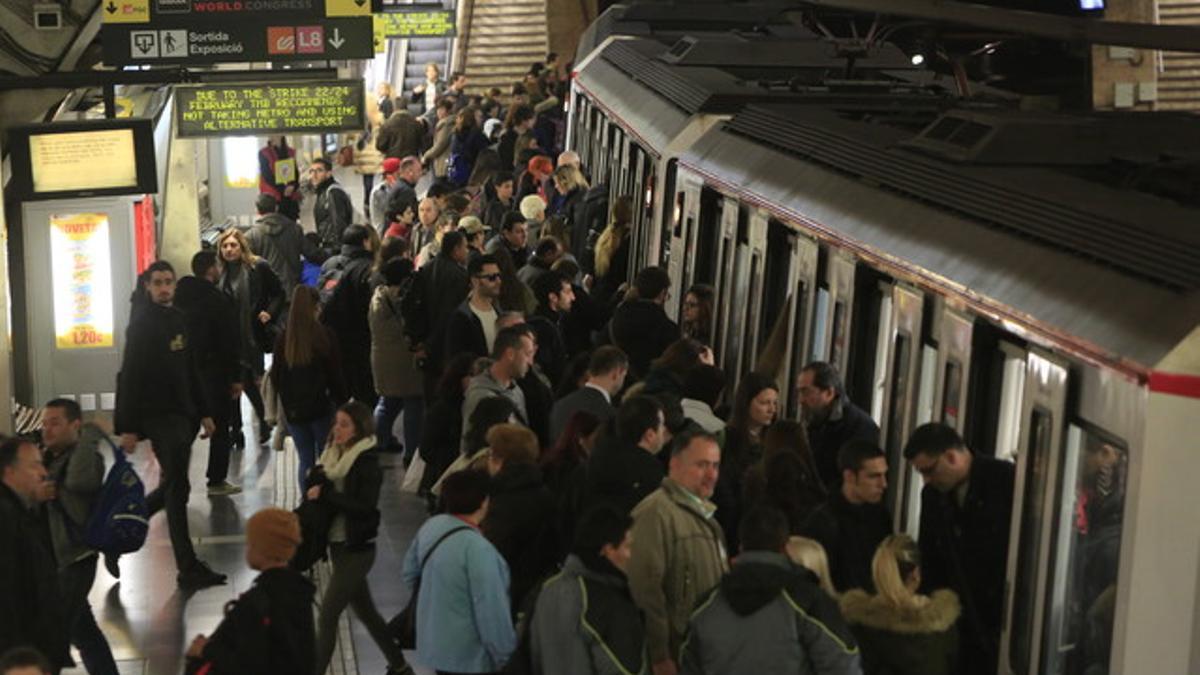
[{"x": 403, "y": 626}]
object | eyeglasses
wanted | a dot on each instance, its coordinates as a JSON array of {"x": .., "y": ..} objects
[{"x": 488, "y": 277}]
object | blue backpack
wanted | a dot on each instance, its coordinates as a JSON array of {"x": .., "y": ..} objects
[{"x": 119, "y": 521}]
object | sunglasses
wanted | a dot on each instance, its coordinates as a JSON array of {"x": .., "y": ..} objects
[{"x": 488, "y": 277}]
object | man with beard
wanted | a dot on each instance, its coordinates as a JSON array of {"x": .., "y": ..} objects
[{"x": 832, "y": 420}]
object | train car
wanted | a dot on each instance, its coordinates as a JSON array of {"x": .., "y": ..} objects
[{"x": 1030, "y": 279}]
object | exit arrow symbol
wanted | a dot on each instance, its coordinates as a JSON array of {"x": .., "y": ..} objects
[
  {"x": 360, "y": 3},
  {"x": 111, "y": 8},
  {"x": 337, "y": 40}
]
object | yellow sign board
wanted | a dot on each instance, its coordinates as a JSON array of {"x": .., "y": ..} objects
[
  {"x": 347, "y": 7},
  {"x": 83, "y": 160},
  {"x": 125, "y": 11},
  {"x": 419, "y": 23},
  {"x": 81, "y": 275}
]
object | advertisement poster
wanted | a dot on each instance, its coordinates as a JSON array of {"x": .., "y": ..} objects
[{"x": 81, "y": 274}]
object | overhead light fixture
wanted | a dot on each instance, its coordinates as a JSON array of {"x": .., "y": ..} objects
[{"x": 918, "y": 59}]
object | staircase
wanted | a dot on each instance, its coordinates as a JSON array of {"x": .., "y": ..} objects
[
  {"x": 503, "y": 38},
  {"x": 1179, "y": 80}
]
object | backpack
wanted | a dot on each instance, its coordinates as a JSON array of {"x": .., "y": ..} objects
[
  {"x": 414, "y": 309},
  {"x": 120, "y": 519},
  {"x": 458, "y": 171}
]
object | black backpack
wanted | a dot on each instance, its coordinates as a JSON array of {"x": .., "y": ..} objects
[{"x": 414, "y": 309}]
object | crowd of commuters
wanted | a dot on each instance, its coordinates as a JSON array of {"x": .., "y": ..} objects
[{"x": 602, "y": 497}]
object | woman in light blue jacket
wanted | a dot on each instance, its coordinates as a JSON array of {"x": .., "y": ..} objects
[{"x": 463, "y": 614}]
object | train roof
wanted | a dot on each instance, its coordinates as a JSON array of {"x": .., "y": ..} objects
[{"x": 1080, "y": 300}]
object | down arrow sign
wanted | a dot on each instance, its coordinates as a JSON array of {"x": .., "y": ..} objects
[
  {"x": 111, "y": 8},
  {"x": 360, "y": 3},
  {"x": 337, "y": 40}
]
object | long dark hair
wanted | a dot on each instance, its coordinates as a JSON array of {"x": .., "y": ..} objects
[
  {"x": 569, "y": 448},
  {"x": 737, "y": 452},
  {"x": 363, "y": 418},
  {"x": 682, "y": 355},
  {"x": 449, "y": 386},
  {"x": 791, "y": 487},
  {"x": 304, "y": 337}
]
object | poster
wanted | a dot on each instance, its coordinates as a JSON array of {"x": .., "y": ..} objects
[{"x": 81, "y": 274}]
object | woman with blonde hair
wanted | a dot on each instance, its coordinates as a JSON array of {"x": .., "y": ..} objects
[
  {"x": 571, "y": 187},
  {"x": 900, "y": 631},
  {"x": 612, "y": 250},
  {"x": 258, "y": 298},
  {"x": 809, "y": 554}
]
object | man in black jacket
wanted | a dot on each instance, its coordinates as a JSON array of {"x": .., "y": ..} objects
[
  {"x": 30, "y": 605},
  {"x": 514, "y": 236},
  {"x": 333, "y": 210},
  {"x": 624, "y": 467},
  {"x": 212, "y": 325},
  {"x": 471, "y": 328},
  {"x": 345, "y": 285},
  {"x": 640, "y": 327},
  {"x": 966, "y": 507},
  {"x": 832, "y": 420},
  {"x": 445, "y": 283},
  {"x": 853, "y": 521},
  {"x": 554, "y": 297},
  {"x": 160, "y": 396},
  {"x": 606, "y": 372}
]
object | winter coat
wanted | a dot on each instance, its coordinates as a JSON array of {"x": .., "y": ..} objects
[
  {"x": 269, "y": 628},
  {"x": 965, "y": 549},
  {"x": 438, "y": 155},
  {"x": 311, "y": 391},
  {"x": 904, "y": 641},
  {"x": 213, "y": 326},
  {"x": 585, "y": 622},
  {"x": 642, "y": 330},
  {"x": 846, "y": 422},
  {"x": 539, "y": 398},
  {"x": 159, "y": 372},
  {"x": 464, "y": 621},
  {"x": 463, "y": 332},
  {"x": 333, "y": 212},
  {"x": 281, "y": 242},
  {"x": 850, "y": 534},
  {"x": 586, "y": 399},
  {"x": 268, "y": 157},
  {"x": 519, "y": 526},
  {"x": 358, "y": 500},
  {"x": 30, "y": 604},
  {"x": 348, "y": 316},
  {"x": 441, "y": 438},
  {"x": 266, "y": 295},
  {"x": 78, "y": 473},
  {"x": 679, "y": 556},
  {"x": 465, "y": 149},
  {"x": 446, "y": 285},
  {"x": 400, "y": 136},
  {"x": 368, "y": 160},
  {"x": 767, "y": 616},
  {"x": 552, "y": 349},
  {"x": 571, "y": 208},
  {"x": 620, "y": 475},
  {"x": 392, "y": 359}
]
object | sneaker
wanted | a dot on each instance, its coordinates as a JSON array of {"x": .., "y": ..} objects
[
  {"x": 198, "y": 576},
  {"x": 223, "y": 489},
  {"x": 112, "y": 563}
]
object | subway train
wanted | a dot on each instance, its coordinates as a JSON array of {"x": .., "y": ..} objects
[{"x": 1029, "y": 278}]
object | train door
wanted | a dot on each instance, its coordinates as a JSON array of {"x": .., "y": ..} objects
[
  {"x": 683, "y": 240},
  {"x": 726, "y": 258},
  {"x": 894, "y": 397},
  {"x": 754, "y": 295},
  {"x": 771, "y": 351},
  {"x": 835, "y": 300},
  {"x": 1042, "y": 425},
  {"x": 797, "y": 314}
]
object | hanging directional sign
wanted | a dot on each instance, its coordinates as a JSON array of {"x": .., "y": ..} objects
[
  {"x": 262, "y": 109},
  {"x": 125, "y": 11},
  {"x": 415, "y": 23},
  {"x": 192, "y": 39}
]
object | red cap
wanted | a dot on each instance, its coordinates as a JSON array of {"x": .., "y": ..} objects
[{"x": 391, "y": 165}]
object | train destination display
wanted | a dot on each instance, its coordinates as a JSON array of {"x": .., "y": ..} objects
[{"x": 260, "y": 109}]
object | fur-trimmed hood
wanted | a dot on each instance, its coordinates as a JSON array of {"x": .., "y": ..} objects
[{"x": 935, "y": 616}]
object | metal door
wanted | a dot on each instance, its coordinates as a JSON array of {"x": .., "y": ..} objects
[
  {"x": 803, "y": 282},
  {"x": 1041, "y": 439},
  {"x": 834, "y": 306},
  {"x": 753, "y": 298},
  {"x": 687, "y": 218},
  {"x": 722, "y": 300},
  {"x": 900, "y": 377}
]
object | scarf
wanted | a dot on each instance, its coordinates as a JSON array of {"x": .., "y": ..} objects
[{"x": 337, "y": 463}]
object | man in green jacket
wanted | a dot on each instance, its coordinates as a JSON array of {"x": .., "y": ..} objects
[{"x": 679, "y": 553}]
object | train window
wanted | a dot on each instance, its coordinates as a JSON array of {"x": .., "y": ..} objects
[
  {"x": 1033, "y": 501},
  {"x": 709, "y": 237},
  {"x": 837, "y": 345},
  {"x": 796, "y": 358},
  {"x": 778, "y": 268},
  {"x": 1085, "y": 556},
  {"x": 820, "y": 330},
  {"x": 952, "y": 392},
  {"x": 669, "y": 217},
  {"x": 753, "y": 310},
  {"x": 898, "y": 396}
]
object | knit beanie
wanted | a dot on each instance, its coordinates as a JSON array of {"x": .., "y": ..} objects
[{"x": 274, "y": 533}]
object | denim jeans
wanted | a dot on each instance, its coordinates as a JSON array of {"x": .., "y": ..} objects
[
  {"x": 386, "y": 412},
  {"x": 309, "y": 438}
]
